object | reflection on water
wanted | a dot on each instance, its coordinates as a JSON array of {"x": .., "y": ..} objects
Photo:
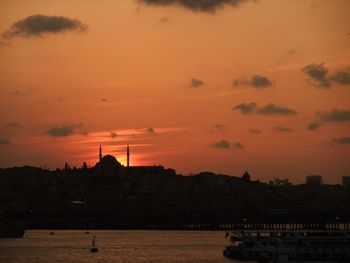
[{"x": 42, "y": 246}]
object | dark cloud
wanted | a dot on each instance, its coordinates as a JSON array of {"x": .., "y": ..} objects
[
  {"x": 38, "y": 25},
  {"x": 283, "y": 129},
  {"x": 313, "y": 126},
  {"x": 13, "y": 125},
  {"x": 238, "y": 146},
  {"x": 60, "y": 131},
  {"x": 318, "y": 74},
  {"x": 260, "y": 82},
  {"x": 223, "y": 144},
  {"x": 4, "y": 141},
  {"x": 209, "y": 6},
  {"x": 246, "y": 108},
  {"x": 16, "y": 93},
  {"x": 269, "y": 109},
  {"x": 341, "y": 77},
  {"x": 342, "y": 140},
  {"x": 272, "y": 109},
  {"x": 196, "y": 83},
  {"x": 335, "y": 115},
  {"x": 219, "y": 127},
  {"x": 256, "y": 81},
  {"x": 255, "y": 131}
]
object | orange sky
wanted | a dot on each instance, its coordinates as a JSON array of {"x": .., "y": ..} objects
[{"x": 161, "y": 77}]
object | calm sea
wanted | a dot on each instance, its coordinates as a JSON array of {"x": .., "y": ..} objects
[{"x": 65, "y": 246}]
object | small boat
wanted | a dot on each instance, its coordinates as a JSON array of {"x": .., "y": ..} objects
[{"x": 93, "y": 248}]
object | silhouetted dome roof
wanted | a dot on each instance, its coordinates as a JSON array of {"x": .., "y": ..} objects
[
  {"x": 246, "y": 173},
  {"x": 109, "y": 160}
]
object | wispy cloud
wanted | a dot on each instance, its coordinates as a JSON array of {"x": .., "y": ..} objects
[
  {"x": 62, "y": 131},
  {"x": 238, "y": 146},
  {"x": 313, "y": 126},
  {"x": 113, "y": 135},
  {"x": 283, "y": 129},
  {"x": 219, "y": 127},
  {"x": 14, "y": 125},
  {"x": 163, "y": 20},
  {"x": 255, "y": 131}
]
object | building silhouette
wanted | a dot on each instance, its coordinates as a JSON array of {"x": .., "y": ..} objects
[
  {"x": 246, "y": 177},
  {"x": 127, "y": 155},
  {"x": 345, "y": 181},
  {"x": 314, "y": 180}
]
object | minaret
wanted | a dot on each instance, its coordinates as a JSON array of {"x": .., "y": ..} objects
[
  {"x": 100, "y": 155},
  {"x": 127, "y": 155}
]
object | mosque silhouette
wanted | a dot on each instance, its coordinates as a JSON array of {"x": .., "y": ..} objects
[{"x": 108, "y": 165}]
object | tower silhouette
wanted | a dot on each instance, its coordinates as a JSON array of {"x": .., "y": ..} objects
[
  {"x": 127, "y": 155},
  {"x": 100, "y": 155}
]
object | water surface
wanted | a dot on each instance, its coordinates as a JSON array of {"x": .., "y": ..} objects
[{"x": 64, "y": 246}]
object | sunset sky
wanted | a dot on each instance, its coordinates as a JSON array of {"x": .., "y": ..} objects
[{"x": 207, "y": 85}]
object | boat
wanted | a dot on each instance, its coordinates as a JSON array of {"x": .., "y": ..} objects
[
  {"x": 290, "y": 246},
  {"x": 93, "y": 248},
  {"x": 11, "y": 230}
]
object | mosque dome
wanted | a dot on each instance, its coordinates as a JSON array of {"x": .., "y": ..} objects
[
  {"x": 108, "y": 164},
  {"x": 109, "y": 160}
]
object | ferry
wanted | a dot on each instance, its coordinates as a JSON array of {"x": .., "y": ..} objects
[{"x": 289, "y": 246}]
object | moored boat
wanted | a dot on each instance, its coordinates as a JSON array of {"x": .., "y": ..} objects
[{"x": 11, "y": 230}]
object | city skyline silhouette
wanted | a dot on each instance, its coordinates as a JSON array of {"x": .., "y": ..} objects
[{"x": 220, "y": 86}]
